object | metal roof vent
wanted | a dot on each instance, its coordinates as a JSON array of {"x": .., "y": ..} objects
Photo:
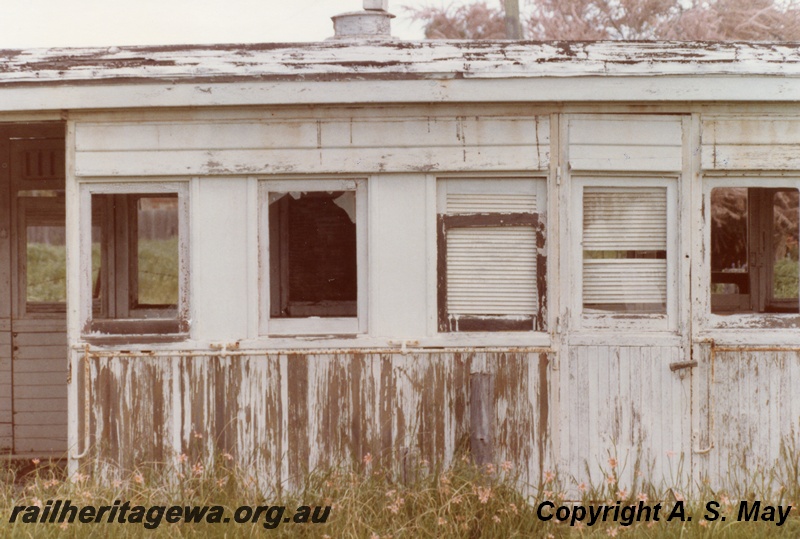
[{"x": 374, "y": 22}]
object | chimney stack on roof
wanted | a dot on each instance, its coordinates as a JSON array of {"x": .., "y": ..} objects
[{"x": 374, "y": 22}]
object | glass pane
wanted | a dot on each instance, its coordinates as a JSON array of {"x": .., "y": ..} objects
[
  {"x": 754, "y": 259},
  {"x": 46, "y": 264},
  {"x": 157, "y": 250},
  {"x": 313, "y": 254}
]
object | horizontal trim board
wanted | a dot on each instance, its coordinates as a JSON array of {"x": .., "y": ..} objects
[
  {"x": 412, "y": 132},
  {"x": 587, "y": 89},
  {"x": 752, "y": 157},
  {"x": 750, "y": 130},
  {"x": 626, "y": 157},
  {"x": 265, "y": 161},
  {"x": 626, "y": 130}
]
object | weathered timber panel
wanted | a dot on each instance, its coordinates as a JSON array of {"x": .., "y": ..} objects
[
  {"x": 754, "y": 411},
  {"x": 641, "y": 143},
  {"x": 357, "y": 145},
  {"x": 40, "y": 361},
  {"x": 755, "y": 143},
  {"x": 283, "y": 415},
  {"x": 6, "y": 440},
  {"x": 623, "y": 402}
]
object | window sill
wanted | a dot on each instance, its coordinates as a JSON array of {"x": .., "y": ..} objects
[
  {"x": 313, "y": 325},
  {"x": 136, "y": 331},
  {"x": 106, "y": 339}
]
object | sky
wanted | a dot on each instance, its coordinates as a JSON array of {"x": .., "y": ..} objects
[{"x": 77, "y": 23}]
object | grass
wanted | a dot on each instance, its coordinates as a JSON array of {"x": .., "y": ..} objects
[
  {"x": 158, "y": 271},
  {"x": 460, "y": 501},
  {"x": 785, "y": 278}
]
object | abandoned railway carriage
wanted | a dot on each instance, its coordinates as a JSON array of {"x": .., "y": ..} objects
[{"x": 301, "y": 254}]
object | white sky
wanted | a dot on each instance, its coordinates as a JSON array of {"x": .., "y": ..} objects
[{"x": 52, "y": 23}]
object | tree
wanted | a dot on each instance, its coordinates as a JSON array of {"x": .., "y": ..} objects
[
  {"x": 470, "y": 21},
  {"x": 724, "y": 20}
]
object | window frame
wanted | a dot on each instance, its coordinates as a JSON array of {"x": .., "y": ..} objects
[
  {"x": 36, "y": 211},
  {"x": 667, "y": 321},
  {"x": 132, "y": 330},
  {"x": 313, "y": 325},
  {"x": 491, "y": 324},
  {"x": 741, "y": 320}
]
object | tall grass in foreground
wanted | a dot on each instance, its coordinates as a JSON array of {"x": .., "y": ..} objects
[{"x": 461, "y": 501}]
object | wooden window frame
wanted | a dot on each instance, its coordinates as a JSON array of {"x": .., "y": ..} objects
[
  {"x": 313, "y": 325},
  {"x": 741, "y": 320},
  {"x": 667, "y": 321},
  {"x": 35, "y": 211},
  {"x": 129, "y": 328},
  {"x": 460, "y": 324}
]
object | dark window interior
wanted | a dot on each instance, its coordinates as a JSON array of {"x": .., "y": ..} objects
[
  {"x": 754, "y": 250},
  {"x": 312, "y": 254}
]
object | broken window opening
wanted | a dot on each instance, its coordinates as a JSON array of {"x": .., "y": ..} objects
[
  {"x": 754, "y": 250},
  {"x": 313, "y": 254}
]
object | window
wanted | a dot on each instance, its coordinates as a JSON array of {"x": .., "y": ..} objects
[
  {"x": 137, "y": 255},
  {"x": 754, "y": 250},
  {"x": 41, "y": 253},
  {"x": 626, "y": 250},
  {"x": 491, "y": 254},
  {"x": 316, "y": 255}
]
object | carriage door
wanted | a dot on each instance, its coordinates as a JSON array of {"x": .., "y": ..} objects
[{"x": 33, "y": 343}]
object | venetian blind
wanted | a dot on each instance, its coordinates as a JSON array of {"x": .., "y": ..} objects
[
  {"x": 624, "y": 245},
  {"x": 491, "y": 270}
]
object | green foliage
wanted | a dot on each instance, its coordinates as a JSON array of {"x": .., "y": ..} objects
[
  {"x": 786, "y": 278},
  {"x": 46, "y": 272},
  {"x": 459, "y": 501},
  {"x": 158, "y": 272}
]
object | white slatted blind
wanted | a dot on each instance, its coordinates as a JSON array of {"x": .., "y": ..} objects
[
  {"x": 491, "y": 270},
  {"x": 624, "y": 219},
  {"x": 490, "y": 203},
  {"x": 624, "y": 281}
]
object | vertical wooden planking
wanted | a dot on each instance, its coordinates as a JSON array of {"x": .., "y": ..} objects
[
  {"x": 387, "y": 407},
  {"x": 590, "y": 442},
  {"x": 300, "y": 413},
  {"x": 280, "y": 416},
  {"x": 626, "y": 402},
  {"x": 580, "y": 426}
]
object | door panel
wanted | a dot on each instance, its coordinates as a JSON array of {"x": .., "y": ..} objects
[{"x": 33, "y": 345}]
